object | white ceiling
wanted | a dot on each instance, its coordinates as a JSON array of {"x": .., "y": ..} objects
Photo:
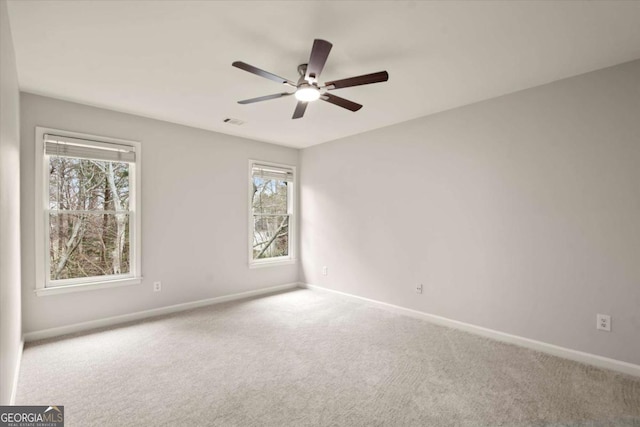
[{"x": 171, "y": 60}]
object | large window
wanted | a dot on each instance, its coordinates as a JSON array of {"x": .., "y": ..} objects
[
  {"x": 272, "y": 221},
  {"x": 88, "y": 216}
]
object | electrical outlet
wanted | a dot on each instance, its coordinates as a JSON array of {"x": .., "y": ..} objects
[
  {"x": 324, "y": 270},
  {"x": 419, "y": 289},
  {"x": 157, "y": 286},
  {"x": 603, "y": 322}
]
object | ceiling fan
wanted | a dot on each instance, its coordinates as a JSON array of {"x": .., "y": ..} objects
[{"x": 308, "y": 88}]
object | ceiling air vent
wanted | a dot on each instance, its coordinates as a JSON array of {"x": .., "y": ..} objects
[{"x": 233, "y": 121}]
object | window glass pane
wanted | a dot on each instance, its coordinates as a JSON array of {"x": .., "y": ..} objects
[
  {"x": 270, "y": 236},
  {"x": 269, "y": 196},
  {"x": 88, "y": 245},
  {"x": 79, "y": 184}
]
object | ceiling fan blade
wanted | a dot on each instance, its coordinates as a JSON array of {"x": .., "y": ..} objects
[
  {"x": 267, "y": 75},
  {"x": 319, "y": 53},
  {"x": 264, "y": 98},
  {"x": 299, "y": 111},
  {"x": 341, "y": 102},
  {"x": 381, "y": 76}
]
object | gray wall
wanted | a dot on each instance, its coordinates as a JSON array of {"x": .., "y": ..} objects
[
  {"x": 10, "y": 314},
  {"x": 194, "y": 214},
  {"x": 519, "y": 214}
]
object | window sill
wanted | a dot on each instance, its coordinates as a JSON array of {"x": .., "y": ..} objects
[
  {"x": 272, "y": 263},
  {"x": 89, "y": 286}
]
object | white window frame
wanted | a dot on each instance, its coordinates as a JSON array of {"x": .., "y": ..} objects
[
  {"x": 42, "y": 285},
  {"x": 292, "y": 239}
]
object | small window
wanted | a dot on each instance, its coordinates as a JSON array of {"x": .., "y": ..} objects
[
  {"x": 89, "y": 216},
  {"x": 272, "y": 221}
]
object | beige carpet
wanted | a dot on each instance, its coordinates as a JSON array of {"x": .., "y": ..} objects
[{"x": 307, "y": 358}]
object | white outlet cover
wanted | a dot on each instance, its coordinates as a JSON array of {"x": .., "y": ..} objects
[{"x": 603, "y": 322}]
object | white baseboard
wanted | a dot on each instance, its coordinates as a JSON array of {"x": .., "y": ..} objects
[
  {"x": 16, "y": 374},
  {"x": 115, "y": 320},
  {"x": 566, "y": 353}
]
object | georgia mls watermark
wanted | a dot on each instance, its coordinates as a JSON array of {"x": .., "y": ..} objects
[{"x": 31, "y": 416}]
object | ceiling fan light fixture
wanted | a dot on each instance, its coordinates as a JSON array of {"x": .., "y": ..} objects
[{"x": 307, "y": 94}]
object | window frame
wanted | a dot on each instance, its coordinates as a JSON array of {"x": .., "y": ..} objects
[
  {"x": 292, "y": 202},
  {"x": 41, "y": 231}
]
